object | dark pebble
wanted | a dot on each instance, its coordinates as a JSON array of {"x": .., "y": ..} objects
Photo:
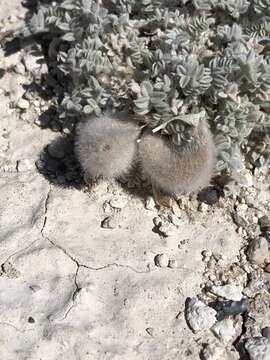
[
  {"x": 239, "y": 220},
  {"x": 230, "y": 308},
  {"x": 31, "y": 320},
  {"x": 264, "y": 223},
  {"x": 266, "y": 332}
]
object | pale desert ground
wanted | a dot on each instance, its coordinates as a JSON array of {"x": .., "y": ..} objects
[{"x": 79, "y": 276}]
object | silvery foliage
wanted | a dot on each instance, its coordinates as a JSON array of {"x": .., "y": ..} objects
[{"x": 170, "y": 62}]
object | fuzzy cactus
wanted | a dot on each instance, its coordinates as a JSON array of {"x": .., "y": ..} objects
[
  {"x": 106, "y": 146},
  {"x": 175, "y": 169}
]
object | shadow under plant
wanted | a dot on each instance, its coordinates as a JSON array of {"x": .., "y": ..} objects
[{"x": 58, "y": 164}]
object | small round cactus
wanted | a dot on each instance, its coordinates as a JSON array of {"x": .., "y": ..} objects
[
  {"x": 106, "y": 146},
  {"x": 178, "y": 169}
]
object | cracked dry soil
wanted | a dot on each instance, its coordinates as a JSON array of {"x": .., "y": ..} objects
[{"x": 73, "y": 288}]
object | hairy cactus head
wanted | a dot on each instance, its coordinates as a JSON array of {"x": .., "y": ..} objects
[
  {"x": 175, "y": 169},
  {"x": 106, "y": 146}
]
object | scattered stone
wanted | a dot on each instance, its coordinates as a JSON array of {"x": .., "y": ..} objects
[
  {"x": 150, "y": 203},
  {"x": 242, "y": 209},
  {"x": 228, "y": 292},
  {"x": 9, "y": 270},
  {"x": 224, "y": 330},
  {"x": 213, "y": 352},
  {"x": 19, "y": 68},
  {"x": 12, "y": 19},
  {"x": 264, "y": 223},
  {"x": 164, "y": 226},
  {"x": 22, "y": 104},
  {"x": 258, "y": 348},
  {"x": 200, "y": 316},
  {"x": 25, "y": 165},
  {"x": 239, "y": 220},
  {"x": 33, "y": 63},
  {"x": 203, "y": 207},
  {"x": 176, "y": 210},
  {"x": 174, "y": 220},
  {"x": 167, "y": 229},
  {"x": 172, "y": 264},
  {"x": 207, "y": 253},
  {"x": 209, "y": 196},
  {"x": 110, "y": 222},
  {"x": 231, "y": 308},
  {"x": 161, "y": 260},
  {"x": 150, "y": 331},
  {"x": 264, "y": 197},
  {"x": 31, "y": 320},
  {"x": 107, "y": 208},
  {"x": 258, "y": 251},
  {"x": 118, "y": 203},
  {"x": 267, "y": 268},
  {"x": 266, "y": 332},
  {"x": 258, "y": 284},
  {"x": 217, "y": 352}
]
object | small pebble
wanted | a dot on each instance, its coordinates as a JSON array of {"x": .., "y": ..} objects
[
  {"x": 174, "y": 220},
  {"x": 258, "y": 348},
  {"x": 266, "y": 332},
  {"x": 216, "y": 351},
  {"x": 242, "y": 208},
  {"x": 150, "y": 331},
  {"x": 231, "y": 308},
  {"x": 228, "y": 292},
  {"x": 207, "y": 253},
  {"x": 36, "y": 103},
  {"x": 25, "y": 165},
  {"x": 200, "y": 316},
  {"x": 110, "y": 222},
  {"x": 118, "y": 203},
  {"x": 267, "y": 268},
  {"x": 239, "y": 220},
  {"x": 167, "y": 229},
  {"x": 31, "y": 62},
  {"x": 212, "y": 352},
  {"x": 212, "y": 277},
  {"x": 258, "y": 251},
  {"x": 264, "y": 197},
  {"x": 176, "y": 210},
  {"x": 224, "y": 330},
  {"x": 107, "y": 208},
  {"x": 172, "y": 264},
  {"x": 259, "y": 283},
  {"x": 23, "y": 104},
  {"x": 203, "y": 207},
  {"x": 19, "y": 68},
  {"x": 161, "y": 260},
  {"x": 150, "y": 203},
  {"x": 264, "y": 223}
]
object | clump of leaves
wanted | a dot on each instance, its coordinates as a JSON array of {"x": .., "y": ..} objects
[{"x": 170, "y": 62}]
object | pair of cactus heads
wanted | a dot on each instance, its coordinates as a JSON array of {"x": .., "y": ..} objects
[{"x": 108, "y": 146}]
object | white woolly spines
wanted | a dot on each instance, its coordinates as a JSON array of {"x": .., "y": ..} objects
[
  {"x": 177, "y": 170},
  {"x": 106, "y": 146}
]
